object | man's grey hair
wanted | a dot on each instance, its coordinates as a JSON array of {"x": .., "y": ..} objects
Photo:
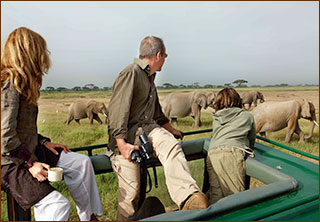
[{"x": 150, "y": 46}]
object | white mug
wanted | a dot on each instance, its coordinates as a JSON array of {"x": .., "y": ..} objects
[{"x": 55, "y": 174}]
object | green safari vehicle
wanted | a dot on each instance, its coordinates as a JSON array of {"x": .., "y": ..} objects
[{"x": 290, "y": 193}]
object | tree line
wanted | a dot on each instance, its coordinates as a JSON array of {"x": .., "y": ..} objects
[{"x": 195, "y": 85}]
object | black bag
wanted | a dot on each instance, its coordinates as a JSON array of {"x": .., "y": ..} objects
[{"x": 45, "y": 155}]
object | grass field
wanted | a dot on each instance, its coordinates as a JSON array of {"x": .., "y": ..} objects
[{"x": 53, "y": 111}]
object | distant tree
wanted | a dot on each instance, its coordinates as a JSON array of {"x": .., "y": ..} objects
[
  {"x": 62, "y": 89},
  {"x": 182, "y": 86},
  {"x": 308, "y": 84},
  {"x": 208, "y": 86},
  {"x": 284, "y": 84},
  {"x": 90, "y": 86},
  {"x": 239, "y": 82},
  {"x": 106, "y": 88},
  {"x": 76, "y": 88},
  {"x": 49, "y": 88},
  {"x": 227, "y": 84},
  {"x": 167, "y": 85},
  {"x": 196, "y": 85}
]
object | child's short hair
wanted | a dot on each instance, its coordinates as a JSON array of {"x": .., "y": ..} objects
[{"x": 227, "y": 98}]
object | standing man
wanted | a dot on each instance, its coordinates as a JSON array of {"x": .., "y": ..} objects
[{"x": 134, "y": 109}]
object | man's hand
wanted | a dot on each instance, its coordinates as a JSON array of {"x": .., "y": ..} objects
[
  {"x": 38, "y": 171},
  {"x": 126, "y": 148},
  {"x": 176, "y": 133},
  {"x": 53, "y": 146}
]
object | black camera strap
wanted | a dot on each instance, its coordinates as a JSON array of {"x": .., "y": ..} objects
[
  {"x": 150, "y": 182},
  {"x": 155, "y": 179},
  {"x": 155, "y": 176}
]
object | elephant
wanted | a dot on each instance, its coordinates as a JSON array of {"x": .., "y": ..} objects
[
  {"x": 82, "y": 109},
  {"x": 181, "y": 104},
  {"x": 270, "y": 117},
  {"x": 211, "y": 98},
  {"x": 250, "y": 97}
]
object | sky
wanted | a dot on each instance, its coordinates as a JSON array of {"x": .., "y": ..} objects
[{"x": 207, "y": 42}]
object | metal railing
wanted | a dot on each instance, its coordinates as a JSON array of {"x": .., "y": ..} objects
[
  {"x": 90, "y": 148},
  {"x": 288, "y": 148}
]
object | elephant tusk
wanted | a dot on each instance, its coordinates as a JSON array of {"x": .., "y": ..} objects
[
  {"x": 315, "y": 122},
  {"x": 105, "y": 115}
]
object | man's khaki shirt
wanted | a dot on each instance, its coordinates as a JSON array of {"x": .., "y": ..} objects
[{"x": 134, "y": 103}]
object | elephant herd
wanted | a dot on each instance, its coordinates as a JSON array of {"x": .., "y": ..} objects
[
  {"x": 269, "y": 116},
  {"x": 181, "y": 104}
]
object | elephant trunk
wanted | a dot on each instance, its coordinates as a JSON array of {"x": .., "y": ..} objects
[{"x": 313, "y": 123}]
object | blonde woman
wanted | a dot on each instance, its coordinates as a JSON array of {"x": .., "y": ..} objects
[{"x": 26, "y": 155}]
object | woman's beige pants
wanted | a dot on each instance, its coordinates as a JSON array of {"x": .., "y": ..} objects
[{"x": 226, "y": 169}]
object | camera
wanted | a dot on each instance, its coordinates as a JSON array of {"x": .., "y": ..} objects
[{"x": 144, "y": 151}]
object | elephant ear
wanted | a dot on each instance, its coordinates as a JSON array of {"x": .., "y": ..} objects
[
  {"x": 103, "y": 108},
  {"x": 211, "y": 97},
  {"x": 261, "y": 96},
  {"x": 92, "y": 106},
  {"x": 306, "y": 109},
  {"x": 201, "y": 100}
]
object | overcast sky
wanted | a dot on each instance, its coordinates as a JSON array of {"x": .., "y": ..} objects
[{"x": 207, "y": 42}]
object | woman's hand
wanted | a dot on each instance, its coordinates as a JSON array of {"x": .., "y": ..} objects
[
  {"x": 38, "y": 171},
  {"x": 53, "y": 146}
]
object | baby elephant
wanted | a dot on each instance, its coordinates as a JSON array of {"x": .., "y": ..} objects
[{"x": 82, "y": 109}]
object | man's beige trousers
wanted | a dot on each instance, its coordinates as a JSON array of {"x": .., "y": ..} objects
[{"x": 179, "y": 180}]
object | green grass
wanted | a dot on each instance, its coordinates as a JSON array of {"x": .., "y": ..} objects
[{"x": 51, "y": 124}]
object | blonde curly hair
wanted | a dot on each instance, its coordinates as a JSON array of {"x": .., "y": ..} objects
[{"x": 24, "y": 60}]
